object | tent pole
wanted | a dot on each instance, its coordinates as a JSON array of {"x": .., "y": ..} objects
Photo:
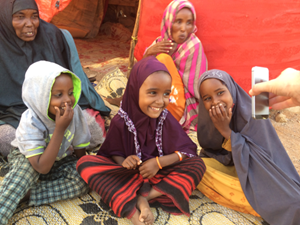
[{"x": 134, "y": 39}]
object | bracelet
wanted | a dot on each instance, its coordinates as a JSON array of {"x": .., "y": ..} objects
[
  {"x": 179, "y": 155},
  {"x": 158, "y": 163}
]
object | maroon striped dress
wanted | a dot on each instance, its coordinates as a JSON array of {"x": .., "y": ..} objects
[{"x": 119, "y": 187}]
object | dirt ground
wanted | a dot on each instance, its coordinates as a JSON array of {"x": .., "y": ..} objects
[{"x": 289, "y": 132}]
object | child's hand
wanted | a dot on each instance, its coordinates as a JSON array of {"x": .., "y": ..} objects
[
  {"x": 221, "y": 119},
  {"x": 63, "y": 121},
  {"x": 131, "y": 162},
  {"x": 149, "y": 168}
]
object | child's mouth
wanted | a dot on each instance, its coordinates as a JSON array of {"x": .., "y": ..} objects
[{"x": 154, "y": 108}]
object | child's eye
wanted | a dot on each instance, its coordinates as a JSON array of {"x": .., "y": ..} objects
[
  {"x": 57, "y": 95},
  {"x": 152, "y": 92},
  {"x": 206, "y": 99},
  {"x": 220, "y": 93},
  {"x": 167, "y": 94},
  {"x": 71, "y": 92}
]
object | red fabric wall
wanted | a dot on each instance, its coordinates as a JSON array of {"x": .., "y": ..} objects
[
  {"x": 47, "y": 8},
  {"x": 236, "y": 35}
]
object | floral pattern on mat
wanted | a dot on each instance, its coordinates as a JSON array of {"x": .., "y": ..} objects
[
  {"x": 89, "y": 209},
  {"x": 102, "y": 54}
]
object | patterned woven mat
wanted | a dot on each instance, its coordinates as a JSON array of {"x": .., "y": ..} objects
[{"x": 89, "y": 209}]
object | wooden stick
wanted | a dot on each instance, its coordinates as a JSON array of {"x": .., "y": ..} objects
[{"x": 134, "y": 39}]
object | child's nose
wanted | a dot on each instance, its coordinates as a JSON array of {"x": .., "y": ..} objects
[
  {"x": 216, "y": 101},
  {"x": 67, "y": 100},
  {"x": 160, "y": 100}
]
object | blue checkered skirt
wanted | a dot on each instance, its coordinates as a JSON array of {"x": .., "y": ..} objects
[{"x": 62, "y": 182}]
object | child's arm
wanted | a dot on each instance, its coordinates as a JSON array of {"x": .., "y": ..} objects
[
  {"x": 131, "y": 162},
  {"x": 150, "y": 168},
  {"x": 79, "y": 152},
  {"x": 118, "y": 159},
  {"x": 44, "y": 162},
  {"x": 221, "y": 119}
]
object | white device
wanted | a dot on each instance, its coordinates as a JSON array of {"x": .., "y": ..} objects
[{"x": 260, "y": 103}]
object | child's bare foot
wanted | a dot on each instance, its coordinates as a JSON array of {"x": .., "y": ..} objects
[
  {"x": 135, "y": 218},
  {"x": 146, "y": 215}
]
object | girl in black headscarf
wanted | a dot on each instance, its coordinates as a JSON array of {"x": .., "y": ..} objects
[
  {"x": 25, "y": 39},
  {"x": 248, "y": 168}
]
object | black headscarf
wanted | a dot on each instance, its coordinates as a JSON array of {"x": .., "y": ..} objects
[
  {"x": 268, "y": 178},
  {"x": 23, "y": 4},
  {"x": 17, "y": 55}
]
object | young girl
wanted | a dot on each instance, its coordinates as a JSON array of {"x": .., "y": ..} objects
[
  {"x": 248, "y": 168},
  {"x": 183, "y": 55},
  {"x": 50, "y": 131},
  {"x": 146, "y": 157}
]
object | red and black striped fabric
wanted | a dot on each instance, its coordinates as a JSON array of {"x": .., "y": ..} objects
[{"x": 119, "y": 187}]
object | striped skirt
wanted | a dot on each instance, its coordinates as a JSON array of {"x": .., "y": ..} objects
[{"x": 120, "y": 187}]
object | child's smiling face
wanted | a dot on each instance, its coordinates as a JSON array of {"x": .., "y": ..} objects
[
  {"x": 213, "y": 92},
  {"x": 61, "y": 93},
  {"x": 154, "y": 93}
]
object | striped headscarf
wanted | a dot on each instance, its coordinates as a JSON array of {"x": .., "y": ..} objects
[{"x": 189, "y": 58}]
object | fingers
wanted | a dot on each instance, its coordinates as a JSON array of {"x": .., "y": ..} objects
[
  {"x": 144, "y": 171},
  {"x": 213, "y": 111},
  {"x": 137, "y": 159},
  {"x": 57, "y": 112},
  {"x": 223, "y": 110},
  {"x": 68, "y": 111},
  {"x": 211, "y": 114},
  {"x": 230, "y": 113},
  {"x": 167, "y": 42},
  {"x": 146, "y": 174},
  {"x": 271, "y": 95},
  {"x": 277, "y": 99},
  {"x": 269, "y": 86},
  {"x": 165, "y": 46},
  {"x": 284, "y": 104},
  {"x": 219, "y": 111},
  {"x": 258, "y": 88},
  {"x": 131, "y": 162}
]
